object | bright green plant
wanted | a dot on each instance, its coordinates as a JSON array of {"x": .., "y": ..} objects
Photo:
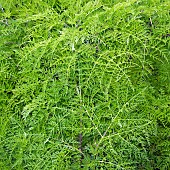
[{"x": 84, "y": 84}]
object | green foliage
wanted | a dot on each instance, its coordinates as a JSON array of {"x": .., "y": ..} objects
[{"x": 84, "y": 84}]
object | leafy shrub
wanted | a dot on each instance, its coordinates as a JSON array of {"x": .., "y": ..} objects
[{"x": 84, "y": 84}]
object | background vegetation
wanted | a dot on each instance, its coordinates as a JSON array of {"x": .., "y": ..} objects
[{"x": 85, "y": 84}]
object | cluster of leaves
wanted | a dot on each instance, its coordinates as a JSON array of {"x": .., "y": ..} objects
[{"x": 84, "y": 84}]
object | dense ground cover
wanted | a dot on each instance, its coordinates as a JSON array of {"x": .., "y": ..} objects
[{"x": 85, "y": 84}]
